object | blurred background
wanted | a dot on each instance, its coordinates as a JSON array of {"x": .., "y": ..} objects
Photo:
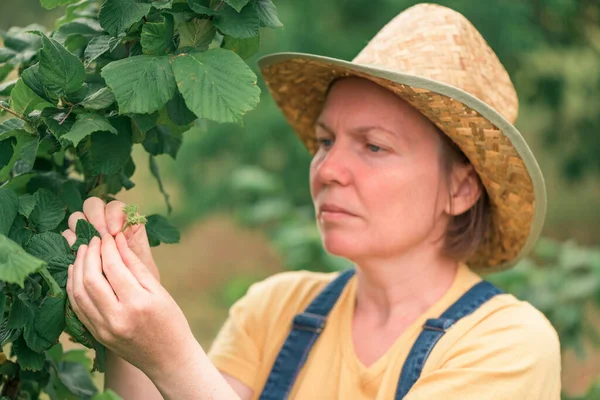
[{"x": 240, "y": 193}]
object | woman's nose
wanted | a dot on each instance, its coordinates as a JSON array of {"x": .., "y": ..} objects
[{"x": 333, "y": 167}]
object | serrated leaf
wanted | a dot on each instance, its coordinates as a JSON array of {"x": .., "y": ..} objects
[
  {"x": 31, "y": 77},
  {"x": 48, "y": 324},
  {"x": 267, "y": 14},
  {"x": 245, "y": 48},
  {"x": 202, "y": 7},
  {"x": 76, "y": 329},
  {"x": 50, "y": 246},
  {"x": 216, "y": 85},
  {"x": 107, "y": 153},
  {"x": 20, "y": 233},
  {"x": 9, "y": 209},
  {"x": 27, "y": 358},
  {"x": 85, "y": 125},
  {"x": 100, "y": 45},
  {"x": 197, "y": 33},
  {"x": 54, "y": 288},
  {"x": 48, "y": 212},
  {"x": 156, "y": 173},
  {"x": 15, "y": 263},
  {"x": 157, "y": 37},
  {"x": 116, "y": 16},
  {"x": 85, "y": 232},
  {"x": 100, "y": 99},
  {"x": 77, "y": 379},
  {"x": 27, "y": 153},
  {"x": 23, "y": 100},
  {"x": 60, "y": 71},
  {"x": 141, "y": 84},
  {"x": 237, "y": 4},
  {"x": 50, "y": 4},
  {"x": 244, "y": 24},
  {"x": 160, "y": 230},
  {"x": 12, "y": 124},
  {"x": 70, "y": 193},
  {"x": 26, "y": 204}
]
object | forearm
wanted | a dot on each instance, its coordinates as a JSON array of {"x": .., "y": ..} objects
[
  {"x": 195, "y": 377},
  {"x": 128, "y": 381}
]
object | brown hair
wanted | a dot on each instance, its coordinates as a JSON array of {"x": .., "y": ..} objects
[{"x": 466, "y": 231}]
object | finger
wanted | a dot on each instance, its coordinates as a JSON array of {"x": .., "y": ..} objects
[
  {"x": 80, "y": 301},
  {"x": 73, "y": 218},
  {"x": 96, "y": 285},
  {"x": 119, "y": 276},
  {"x": 70, "y": 236},
  {"x": 115, "y": 217},
  {"x": 93, "y": 209},
  {"x": 134, "y": 264}
]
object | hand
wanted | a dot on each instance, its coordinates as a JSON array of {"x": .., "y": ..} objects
[
  {"x": 110, "y": 218},
  {"x": 127, "y": 309}
]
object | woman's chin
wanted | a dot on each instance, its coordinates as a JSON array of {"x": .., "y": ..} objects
[{"x": 340, "y": 246}]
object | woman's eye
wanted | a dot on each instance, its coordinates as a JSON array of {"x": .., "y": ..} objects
[
  {"x": 325, "y": 142},
  {"x": 373, "y": 148}
]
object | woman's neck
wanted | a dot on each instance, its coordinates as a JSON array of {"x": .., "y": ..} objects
[{"x": 398, "y": 291}]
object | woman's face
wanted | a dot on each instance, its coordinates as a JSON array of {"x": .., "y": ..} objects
[{"x": 378, "y": 162}]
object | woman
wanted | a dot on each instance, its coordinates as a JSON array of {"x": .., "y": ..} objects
[{"x": 420, "y": 180}]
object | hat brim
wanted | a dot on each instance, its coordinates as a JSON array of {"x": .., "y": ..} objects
[{"x": 498, "y": 152}]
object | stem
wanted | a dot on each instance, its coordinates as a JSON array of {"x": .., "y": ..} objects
[
  {"x": 218, "y": 7},
  {"x": 8, "y": 110},
  {"x": 67, "y": 116}
]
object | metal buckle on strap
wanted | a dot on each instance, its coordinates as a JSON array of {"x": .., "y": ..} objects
[{"x": 309, "y": 322}]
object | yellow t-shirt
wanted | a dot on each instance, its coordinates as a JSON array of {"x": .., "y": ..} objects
[{"x": 506, "y": 349}]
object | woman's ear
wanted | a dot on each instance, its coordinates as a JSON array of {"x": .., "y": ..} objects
[{"x": 465, "y": 189}]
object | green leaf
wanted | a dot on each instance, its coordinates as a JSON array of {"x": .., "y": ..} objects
[
  {"x": 244, "y": 24},
  {"x": 26, "y": 204},
  {"x": 27, "y": 358},
  {"x": 157, "y": 38},
  {"x": 160, "y": 140},
  {"x": 160, "y": 230},
  {"x": 77, "y": 379},
  {"x": 178, "y": 111},
  {"x": 7, "y": 150},
  {"x": 202, "y": 7},
  {"x": 162, "y": 4},
  {"x": 15, "y": 263},
  {"x": 267, "y": 14},
  {"x": 21, "y": 314},
  {"x": 50, "y": 246},
  {"x": 24, "y": 100},
  {"x": 85, "y": 125},
  {"x": 9, "y": 209},
  {"x": 156, "y": 173},
  {"x": 197, "y": 33},
  {"x": 99, "y": 100},
  {"x": 76, "y": 329},
  {"x": 55, "y": 290},
  {"x": 48, "y": 324},
  {"x": 237, "y": 4},
  {"x": 106, "y": 153},
  {"x": 100, "y": 45},
  {"x": 6, "y": 54},
  {"x": 70, "y": 193},
  {"x": 20, "y": 233},
  {"x": 108, "y": 395},
  {"x": 60, "y": 71},
  {"x": 141, "y": 84},
  {"x": 27, "y": 154},
  {"x": 85, "y": 232},
  {"x": 48, "y": 212},
  {"x": 50, "y": 4},
  {"x": 31, "y": 77},
  {"x": 10, "y": 125},
  {"x": 116, "y": 16},
  {"x": 7, "y": 87},
  {"x": 245, "y": 48},
  {"x": 216, "y": 85}
]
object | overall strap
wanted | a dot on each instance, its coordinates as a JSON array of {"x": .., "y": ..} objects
[
  {"x": 434, "y": 329},
  {"x": 306, "y": 328}
]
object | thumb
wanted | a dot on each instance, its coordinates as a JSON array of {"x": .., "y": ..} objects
[{"x": 134, "y": 264}]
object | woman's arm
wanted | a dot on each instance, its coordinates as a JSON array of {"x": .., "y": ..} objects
[{"x": 127, "y": 381}]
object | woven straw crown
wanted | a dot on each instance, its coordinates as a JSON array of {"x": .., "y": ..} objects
[{"x": 436, "y": 60}]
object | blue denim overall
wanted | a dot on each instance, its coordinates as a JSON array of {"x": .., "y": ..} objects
[{"x": 308, "y": 325}]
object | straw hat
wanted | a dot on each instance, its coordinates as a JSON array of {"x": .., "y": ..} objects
[{"x": 436, "y": 60}]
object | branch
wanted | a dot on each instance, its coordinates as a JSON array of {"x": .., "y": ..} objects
[{"x": 8, "y": 110}]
